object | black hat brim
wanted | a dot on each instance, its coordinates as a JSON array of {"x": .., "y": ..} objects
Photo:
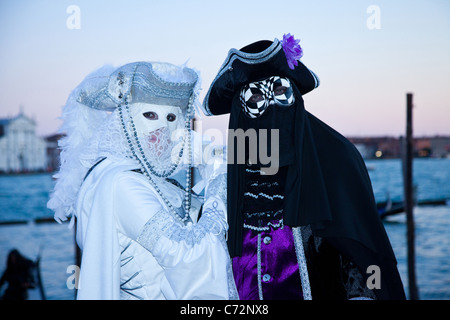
[{"x": 254, "y": 62}]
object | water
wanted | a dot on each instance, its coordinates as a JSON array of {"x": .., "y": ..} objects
[
  {"x": 56, "y": 244},
  {"x": 432, "y": 233},
  {"x": 25, "y": 197},
  {"x": 431, "y": 178}
]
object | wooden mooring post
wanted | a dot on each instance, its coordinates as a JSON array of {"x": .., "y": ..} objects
[{"x": 409, "y": 199}]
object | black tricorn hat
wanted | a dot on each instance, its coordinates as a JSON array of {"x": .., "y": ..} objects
[{"x": 254, "y": 62}]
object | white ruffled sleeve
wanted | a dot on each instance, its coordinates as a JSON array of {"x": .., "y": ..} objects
[{"x": 194, "y": 257}]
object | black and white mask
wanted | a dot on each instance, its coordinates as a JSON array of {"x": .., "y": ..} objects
[{"x": 257, "y": 96}]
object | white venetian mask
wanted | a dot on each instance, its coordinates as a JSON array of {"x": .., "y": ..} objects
[
  {"x": 150, "y": 117},
  {"x": 157, "y": 127}
]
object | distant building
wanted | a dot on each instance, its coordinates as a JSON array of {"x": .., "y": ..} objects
[
  {"x": 422, "y": 147},
  {"x": 391, "y": 147},
  {"x": 20, "y": 149},
  {"x": 440, "y": 147},
  {"x": 377, "y": 147}
]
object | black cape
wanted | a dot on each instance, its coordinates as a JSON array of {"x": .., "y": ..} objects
[{"x": 328, "y": 189}]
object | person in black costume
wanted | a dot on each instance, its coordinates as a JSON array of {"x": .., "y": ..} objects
[
  {"x": 309, "y": 230},
  {"x": 19, "y": 275}
]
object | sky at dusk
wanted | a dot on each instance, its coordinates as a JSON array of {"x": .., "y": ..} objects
[{"x": 367, "y": 54}]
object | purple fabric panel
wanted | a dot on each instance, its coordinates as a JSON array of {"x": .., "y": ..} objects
[{"x": 280, "y": 278}]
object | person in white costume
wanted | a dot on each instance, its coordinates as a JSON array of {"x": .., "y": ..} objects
[{"x": 128, "y": 141}]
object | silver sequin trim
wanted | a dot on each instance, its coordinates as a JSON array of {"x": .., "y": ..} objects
[
  {"x": 303, "y": 269},
  {"x": 163, "y": 224},
  {"x": 269, "y": 225},
  {"x": 259, "y": 268},
  {"x": 218, "y": 187},
  {"x": 154, "y": 229}
]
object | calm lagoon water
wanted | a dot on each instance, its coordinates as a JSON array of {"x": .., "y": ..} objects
[{"x": 24, "y": 197}]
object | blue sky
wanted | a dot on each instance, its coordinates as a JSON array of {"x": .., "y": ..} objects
[{"x": 365, "y": 73}]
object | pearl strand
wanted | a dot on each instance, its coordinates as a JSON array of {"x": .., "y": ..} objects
[{"x": 188, "y": 194}]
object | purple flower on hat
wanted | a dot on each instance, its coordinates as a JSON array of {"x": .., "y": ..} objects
[{"x": 292, "y": 50}]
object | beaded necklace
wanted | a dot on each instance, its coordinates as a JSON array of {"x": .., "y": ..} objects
[{"x": 150, "y": 171}]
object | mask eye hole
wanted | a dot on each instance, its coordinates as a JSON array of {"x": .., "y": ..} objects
[
  {"x": 171, "y": 117},
  {"x": 257, "y": 97},
  {"x": 280, "y": 90},
  {"x": 150, "y": 115}
]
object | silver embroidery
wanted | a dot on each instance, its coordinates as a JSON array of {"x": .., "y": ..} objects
[
  {"x": 262, "y": 194},
  {"x": 163, "y": 224},
  {"x": 303, "y": 269},
  {"x": 280, "y": 225},
  {"x": 154, "y": 229},
  {"x": 218, "y": 187}
]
